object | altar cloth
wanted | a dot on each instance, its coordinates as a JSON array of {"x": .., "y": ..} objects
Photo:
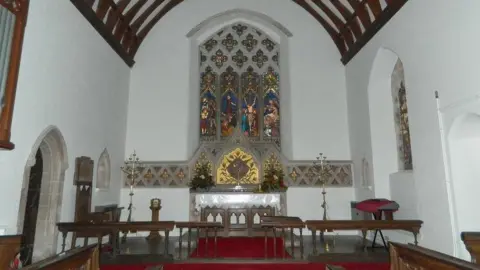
[{"x": 237, "y": 200}]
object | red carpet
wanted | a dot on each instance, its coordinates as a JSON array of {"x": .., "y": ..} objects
[
  {"x": 259, "y": 266},
  {"x": 238, "y": 247}
]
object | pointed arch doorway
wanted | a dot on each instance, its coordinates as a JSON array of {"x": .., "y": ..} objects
[{"x": 41, "y": 196}]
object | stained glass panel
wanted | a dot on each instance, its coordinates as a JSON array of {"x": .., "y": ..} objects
[
  {"x": 271, "y": 113},
  {"x": 208, "y": 104},
  {"x": 229, "y": 86},
  {"x": 250, "y": 87},
  {"x": 246, "y": 94},
  {"x": 404, "y": 128}
]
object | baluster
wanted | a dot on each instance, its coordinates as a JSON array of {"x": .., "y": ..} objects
[
  {"x": 314, "y": 241},
  {"x": 292, "y": 242},
  {"x": 206, "y": 242},
  {"x": 215, "y": 239},
  {"x": 301, "y": 243},
  {"x": 64, "y": 235},
  {"x": 167, "y": 236},
  {"x": 266, "y": 243},
  {"x": 284, "y": 245},
  {"x": 274, "y": 242},
  {"x": 180, "y": 243},
  {"x": 198, "y": 240},
  {"x": 189, "y": 238}
]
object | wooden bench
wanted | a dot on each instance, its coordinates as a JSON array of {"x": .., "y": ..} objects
[
  {"x": 80, "y": 258},
  {"x": 414, "y": 257},
  {"x": 282, "y": 222},
  {"x": 364, "y": 226},
  {"x": 472, "y": 244},
  {"x": 100, "y": 229},
  {"x": 198, "y": 225}
]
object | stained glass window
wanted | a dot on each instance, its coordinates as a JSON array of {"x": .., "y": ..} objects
[
  {"x": 403, "y": 128},
  {"x": 239, "y": 68}
]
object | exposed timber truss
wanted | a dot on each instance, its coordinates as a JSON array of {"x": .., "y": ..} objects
[{"x": 124, "y": 24}]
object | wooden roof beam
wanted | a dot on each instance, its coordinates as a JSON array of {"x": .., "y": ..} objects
[
  {"x": 353, "y": 25},
  {"x": 127, "y": 18},
  {"x": 333, "y": 34},
  {"x": 360, "y": 11},
  {"x": 142, "y": 18},
  {"x": 143, "y": 33},
  {"x": 347, "y": 35},
  {"x": 386, "y": 14}
]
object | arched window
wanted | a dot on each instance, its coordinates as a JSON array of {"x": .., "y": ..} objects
[
  {"x": 103, "y": 171},
  {"x": 239, "y": 86},
  {"x": 402, "y": 127}
]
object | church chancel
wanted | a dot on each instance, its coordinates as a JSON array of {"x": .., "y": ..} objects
[
  {"x": 240, "y": 120},
  {"x": 237, "y": 199}
]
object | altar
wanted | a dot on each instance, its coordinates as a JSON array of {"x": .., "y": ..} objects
[{"x": 239, "y": 212}]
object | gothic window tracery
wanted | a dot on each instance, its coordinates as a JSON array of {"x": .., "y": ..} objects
[{"x": 239, "y": 72}]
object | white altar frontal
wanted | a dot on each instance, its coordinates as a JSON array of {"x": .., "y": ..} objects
[{"x": 239, "y": 212}]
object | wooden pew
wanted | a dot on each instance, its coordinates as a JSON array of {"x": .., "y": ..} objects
[
  {"x": 9, "y": 248},
  {"x": 364, "y": 226},
  {"x": 472, "y": 243},
  {"x": 100, "y": 229},
  {"x": 404, "y": 256},
  {"x": 282, "y": 222},
  {"x": 198, "y": 225},
  {"x": 81, "y": 258}
]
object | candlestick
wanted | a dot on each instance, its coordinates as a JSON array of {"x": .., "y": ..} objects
[
  {"x": 132, "y": 170},
  {"x": 323, "y": 169}
]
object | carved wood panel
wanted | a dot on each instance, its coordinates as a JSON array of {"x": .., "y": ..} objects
[{"x": 237, "y": 221}]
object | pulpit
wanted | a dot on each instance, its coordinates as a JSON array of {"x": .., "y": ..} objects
[{"x": 239, "y": 212}]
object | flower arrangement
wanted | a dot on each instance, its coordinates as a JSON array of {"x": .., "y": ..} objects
[
  {"x": 203, "y": 177},
  {"x": 273, "y": 180}
]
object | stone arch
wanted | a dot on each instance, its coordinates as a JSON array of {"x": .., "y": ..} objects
[
  {"x": 382, "y": 124},
  {"x": 264, "y": 23},
  {"x": 55, "y": 162},
  {"x": 464, "y": 148},
  {"x": 103, "y": 171}
]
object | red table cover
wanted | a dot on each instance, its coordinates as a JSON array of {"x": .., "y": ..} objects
[{"x": 373, "y": 205}]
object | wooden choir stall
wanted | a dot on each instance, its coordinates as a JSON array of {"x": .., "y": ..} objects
[{"x": 83, "y": 180}]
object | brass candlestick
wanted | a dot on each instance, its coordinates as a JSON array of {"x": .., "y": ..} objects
[
  {"x": 324, "y": 171},
  {"x": 155, "y": 206},
  {"x": 132, "y": 169}
]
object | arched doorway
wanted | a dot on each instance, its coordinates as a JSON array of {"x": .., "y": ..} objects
[
  {"x": 464, "y": 148},
  {"x": 31, "y": 210},
  {"x": 41, "y": 196}
]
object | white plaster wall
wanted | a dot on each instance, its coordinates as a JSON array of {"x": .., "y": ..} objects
[
  {"x": 436, "y": 56},
  {"x": 70, "y": 78},
  {"x": 158, "y": 117}
]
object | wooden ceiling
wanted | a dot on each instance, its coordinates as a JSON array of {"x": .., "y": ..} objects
[{"x": 124, "y": 24}]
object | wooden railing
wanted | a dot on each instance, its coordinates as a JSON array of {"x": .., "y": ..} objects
[
  {"x": 281, "y": 227},
  {"x": 472, "y": 243},
  {"x": 9, "y": 247},
  {"x": 403, "y": 257},
  {"x": 85, "y": 258}
]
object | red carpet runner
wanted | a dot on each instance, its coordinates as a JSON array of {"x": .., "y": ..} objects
[
  {"x": 259, "y": 266},
  {"x": 238, "y": 247}
]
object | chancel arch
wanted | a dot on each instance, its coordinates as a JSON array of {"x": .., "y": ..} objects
[{"x": 41, "y": 209}]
